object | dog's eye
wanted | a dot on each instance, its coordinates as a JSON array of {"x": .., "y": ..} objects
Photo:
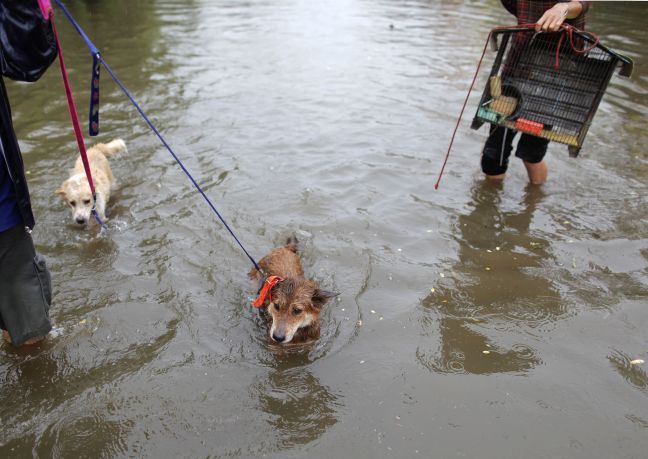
[
  {"x": 276, "y": 306},
  {"x": 86, "y": 201},
  {"x": 296, "y": 311},
  {"x": 73, "y": 203}
]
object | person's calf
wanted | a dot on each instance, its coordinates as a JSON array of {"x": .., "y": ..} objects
[{"x": 537, "y": 172}]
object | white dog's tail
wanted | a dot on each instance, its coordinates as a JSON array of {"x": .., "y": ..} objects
[{"x": 117, "y": 146}]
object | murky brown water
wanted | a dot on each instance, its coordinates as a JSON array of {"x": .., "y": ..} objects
[{"x": 317, "y": 118}]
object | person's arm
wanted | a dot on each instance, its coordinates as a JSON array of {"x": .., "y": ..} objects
[
  {"x": 552, "y": 19},
  {"x": 27, "y": 44}
]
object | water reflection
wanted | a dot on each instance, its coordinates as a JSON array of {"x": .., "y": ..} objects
[
  {"x": 484, "y": 301},
  {"x": 299, "y": 408},
  {"x": 61, "y": 404},
  {"x": 633, "y": 374}
]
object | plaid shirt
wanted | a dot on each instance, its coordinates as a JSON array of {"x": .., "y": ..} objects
[{"x": 529, "y": 11}]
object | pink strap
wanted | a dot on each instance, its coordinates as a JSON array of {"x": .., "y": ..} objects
[
  {"x": 45, "y": 7},
  {"x": 72, "y": 109}
]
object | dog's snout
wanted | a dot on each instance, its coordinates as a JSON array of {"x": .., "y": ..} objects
[
  {"x": 278, "y": 338},
  {"x": 81, "y": 221}
]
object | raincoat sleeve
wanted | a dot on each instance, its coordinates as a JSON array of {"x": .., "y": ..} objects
[{"x": 27, "y": 43}]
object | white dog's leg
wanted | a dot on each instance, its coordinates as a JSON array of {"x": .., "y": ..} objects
[{"x": 100, "y": 206}]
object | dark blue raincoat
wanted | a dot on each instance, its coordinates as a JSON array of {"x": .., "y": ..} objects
[{"x": 27, "y": 48}]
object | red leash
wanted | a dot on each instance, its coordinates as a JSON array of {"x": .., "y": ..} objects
[
  {"x": 72, "y": 109},
  {"x": 75, "y": 119},
  {"x": 570, "y": 33},
  {"x": 445, "y": 161}
]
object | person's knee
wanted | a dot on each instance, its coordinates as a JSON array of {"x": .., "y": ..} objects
[
  {"x": 492, "y": 166},
  {"x": 531, "y": 149}
]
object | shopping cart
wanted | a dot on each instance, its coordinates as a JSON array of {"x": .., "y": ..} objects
[{"x": 547, "y": 84}]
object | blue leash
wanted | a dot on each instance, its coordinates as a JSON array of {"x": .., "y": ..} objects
[
  {"x": 99, "y": 60},
  {"x": 94, "y": 212}
]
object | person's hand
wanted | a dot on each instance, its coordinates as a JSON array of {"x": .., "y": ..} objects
[
  {"x": 553, "y": 18},
  {"x": 46, "y": 7}
]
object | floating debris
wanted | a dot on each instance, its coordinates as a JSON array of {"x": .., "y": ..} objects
[
  {"x": 487, "y": 268},
  {"x": 636, "y": 362},
  {"x": 56, "y": 332},
  {"x": 361, "y": 362},
  {"x": 432, "y": 290},
  {"x": 485, "y": 352},
  {"x": 372, "y": 311},
  {"x": 441, "y": 274},
  {"x": 497, "y": 248},
  {"x": 359, "y": 322}
]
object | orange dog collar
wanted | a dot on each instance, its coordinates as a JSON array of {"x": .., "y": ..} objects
[{"x": 270, "y": 282}]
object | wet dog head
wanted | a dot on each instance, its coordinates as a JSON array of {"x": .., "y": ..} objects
[
  {"x": 75, "y": 191},
  {"x": 295, "y": 308}
]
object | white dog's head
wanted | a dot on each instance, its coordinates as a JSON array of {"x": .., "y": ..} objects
[{"x": 75, "y": 191}]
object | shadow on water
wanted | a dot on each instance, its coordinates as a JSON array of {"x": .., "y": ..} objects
[
  {"x": 497, "y": 257},
  {"x": 633, "y": 373},
  {"x": 62, "y": 381},
  {"x": 298, "y": 406}
]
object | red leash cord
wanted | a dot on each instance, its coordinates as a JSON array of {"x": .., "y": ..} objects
[
  {"x": 445, "y": 161},
  {"x": 570, "y": 33},
  {"x": 73, "y": 112}
]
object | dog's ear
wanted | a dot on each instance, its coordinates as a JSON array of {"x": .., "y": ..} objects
[
  {"x": 61, "y": 192},
  {"x": 320, "y": 297}
]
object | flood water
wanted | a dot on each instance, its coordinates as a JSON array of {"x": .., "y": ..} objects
[{"x": 473, "y": 321}]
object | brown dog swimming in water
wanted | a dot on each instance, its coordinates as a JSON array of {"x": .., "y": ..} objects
[{"x": 290, "y": 301}]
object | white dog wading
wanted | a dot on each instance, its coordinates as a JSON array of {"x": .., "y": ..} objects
[{"x": 75, "y": 191}]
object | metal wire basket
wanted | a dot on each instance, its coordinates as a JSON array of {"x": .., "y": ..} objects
[{"x": 547, "y": 84}]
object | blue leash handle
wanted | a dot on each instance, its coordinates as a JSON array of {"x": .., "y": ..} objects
[
  {"x": 93, "y": 117},
  {"x": 95, "y": 52}
]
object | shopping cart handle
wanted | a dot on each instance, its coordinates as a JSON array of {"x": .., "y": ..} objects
[
  {"x": 507, "y": 29},
  {"x": 626, "y": 68},
  {"x": 627, "y": 65}
]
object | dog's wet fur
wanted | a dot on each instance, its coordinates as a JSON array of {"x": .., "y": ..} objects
[
  {"x": 296, "y": 302},
  {"x": 75, "y": 191}
]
